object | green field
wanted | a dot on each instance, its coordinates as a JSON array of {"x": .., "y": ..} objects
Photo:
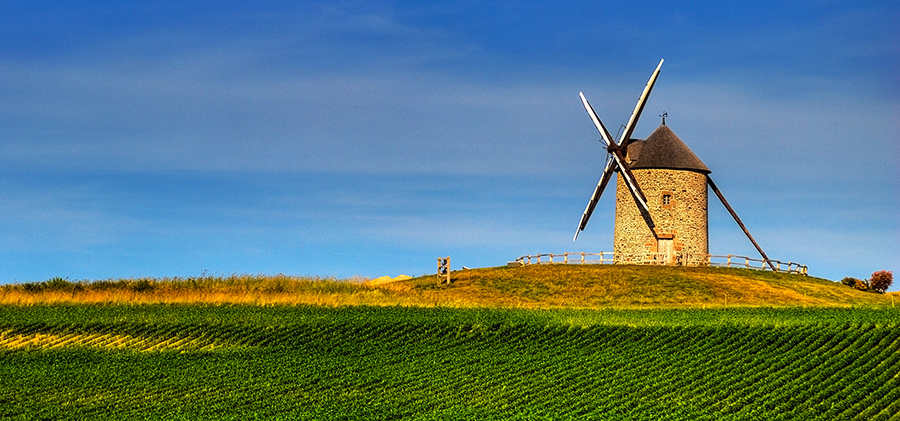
[{"x": 359, "y": 362}]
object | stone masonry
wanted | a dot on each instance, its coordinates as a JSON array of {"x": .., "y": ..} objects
[{"x": 678, "y": 205}]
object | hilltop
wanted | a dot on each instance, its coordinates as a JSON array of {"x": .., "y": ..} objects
[
  {"x": 598, "y": 286},
  {"x": 536, "y": 286}
]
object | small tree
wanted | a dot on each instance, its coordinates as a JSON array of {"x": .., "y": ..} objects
[
  {"x": 861, "y": 285},
  {"x": 881, "y": 281}
]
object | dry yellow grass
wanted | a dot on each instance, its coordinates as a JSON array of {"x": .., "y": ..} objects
[
  {"x": 364, "y": 296},
  {"x": 600, "y": 286},
  {"x": 547, "y": 286},
  {"x": 237, "y": 289}
]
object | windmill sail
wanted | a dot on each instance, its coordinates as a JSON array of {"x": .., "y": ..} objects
[
  {"x": 738, "y": 220},
  {"x": 639, "y": 108},
  {"x": 613, "y": 148},
  {"x": 601, "y": 185}
]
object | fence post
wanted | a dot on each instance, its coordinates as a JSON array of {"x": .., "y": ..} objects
[{"x": 443, "y": 271}]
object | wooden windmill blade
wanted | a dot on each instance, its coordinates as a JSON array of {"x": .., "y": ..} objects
[
  {"x": 625, "y": 170},
  {"x": 601, "y": 185},
  {"x": 604, "y": 134},
  {"x": 618, "y": 163},
  {"x": 613, "y": 148},
  {"x": 639, "y": 108},
  {"x": 738, "y": 220}
]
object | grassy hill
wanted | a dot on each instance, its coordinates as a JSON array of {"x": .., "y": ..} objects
[
  {"x": 597, "y": 286},
  {"x": 538, "y": 286}
]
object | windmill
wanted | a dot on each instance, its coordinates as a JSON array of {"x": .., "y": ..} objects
[{"x": 669, "y": 214}]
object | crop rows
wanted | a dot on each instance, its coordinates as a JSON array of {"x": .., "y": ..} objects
[{"x": 389, "y": 363}]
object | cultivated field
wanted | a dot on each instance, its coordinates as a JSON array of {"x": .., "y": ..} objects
[{"x": 683, "y": 358}]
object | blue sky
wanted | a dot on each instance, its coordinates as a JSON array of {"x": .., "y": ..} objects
[{"x": 347, "y": 138}]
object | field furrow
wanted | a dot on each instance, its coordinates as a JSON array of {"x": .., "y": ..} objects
[{"x": 239, "y": 362}]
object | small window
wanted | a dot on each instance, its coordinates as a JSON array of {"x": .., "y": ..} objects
[{"x": 667, "y": 199}]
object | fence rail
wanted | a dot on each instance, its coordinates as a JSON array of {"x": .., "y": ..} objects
[{"x": 679, "y": 259}]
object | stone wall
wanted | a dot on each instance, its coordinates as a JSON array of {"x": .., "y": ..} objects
[{"x": 683, "y": 221}]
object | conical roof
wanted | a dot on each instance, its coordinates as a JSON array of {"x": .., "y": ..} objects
[{"x": 663, "y": 149}]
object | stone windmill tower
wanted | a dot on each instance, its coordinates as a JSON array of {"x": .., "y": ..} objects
[
  {"x": 661, "y": 194},
  {"x": 673, "y": 180}
]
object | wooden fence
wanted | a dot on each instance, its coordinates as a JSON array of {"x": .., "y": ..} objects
[{"x": 679, "y": 259}]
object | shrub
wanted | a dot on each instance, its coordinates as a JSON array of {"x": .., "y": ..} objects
[
  {"x": 56, "y": 284},
  {"x": 861, "y": 285},
  {"x": 142, "y": 285},
  {"x": 850, "y": 282},
  {"x": 881, "y": 280},
  {"x": 33, "y": 287}
]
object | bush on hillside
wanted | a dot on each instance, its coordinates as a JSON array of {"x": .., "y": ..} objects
[
  {"x": 881, "y": 280},
  {"x": 57, "y": 284},
  {"x": 53, "y": 284},
  {"x": 850, "y": 282},
  {"x": 861, "y": 285}
]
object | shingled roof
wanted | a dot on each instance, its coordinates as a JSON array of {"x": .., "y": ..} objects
[{"x": 663, "y": 149}]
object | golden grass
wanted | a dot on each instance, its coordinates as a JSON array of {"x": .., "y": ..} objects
[
  {"x": 236, "y": 289},
  {"x": 544, "y": 286},
  {"x": 621, "y": 286},
  {"x": 364, "y": 296}
]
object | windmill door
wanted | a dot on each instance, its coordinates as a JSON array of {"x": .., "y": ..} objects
[{"x": 665, "y": 248}]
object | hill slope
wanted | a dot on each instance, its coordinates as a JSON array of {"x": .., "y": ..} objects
[
  {"x": 538, "y": 286},
  {"x": 591, "y": 286}
]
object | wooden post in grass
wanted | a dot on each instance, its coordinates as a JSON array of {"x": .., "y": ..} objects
[{"x": 443, "y": 270}]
